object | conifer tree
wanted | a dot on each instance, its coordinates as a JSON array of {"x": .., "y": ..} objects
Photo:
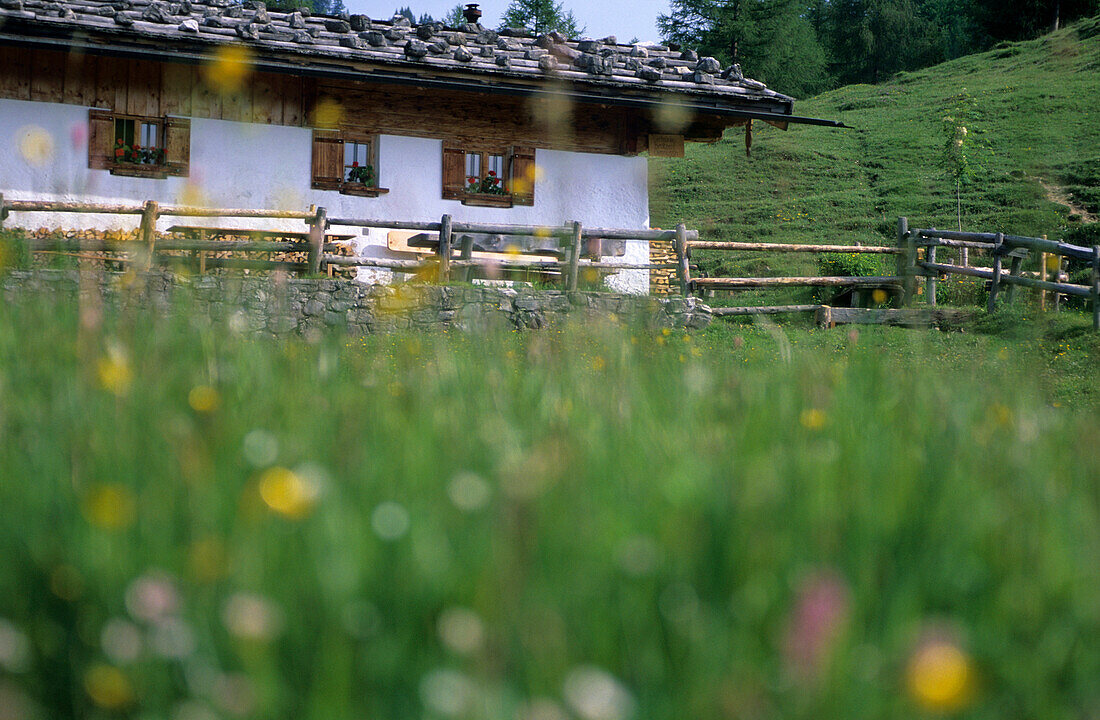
[
  {"x": 773, "y": 40},
  {"x": 541, "y": 16},
  {"x": 455, "y": 17}
]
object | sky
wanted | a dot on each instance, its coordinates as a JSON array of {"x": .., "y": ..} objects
[{"x": 625, "y": 19}]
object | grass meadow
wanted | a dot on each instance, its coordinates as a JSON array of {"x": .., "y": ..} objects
[{"x": 593, "y": 522}]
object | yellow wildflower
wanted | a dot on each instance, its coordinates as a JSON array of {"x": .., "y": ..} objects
[
  {"x": 940, "y": 677},
  {"x": 287, "y": 493},
  {"x": 812, "y": 419},
  {"x": 108, "y": 687},
  {"x": 204, "y": 399},
  {"x": 110, "y": 506}
]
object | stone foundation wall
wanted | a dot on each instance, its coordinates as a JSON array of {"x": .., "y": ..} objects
[{"x": 308, "y": 306}]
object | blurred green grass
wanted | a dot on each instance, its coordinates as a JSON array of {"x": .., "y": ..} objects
[{"x": 753, "y": 521}]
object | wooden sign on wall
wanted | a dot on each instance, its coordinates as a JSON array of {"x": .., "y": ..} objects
[{"x": 666, "y": 145}]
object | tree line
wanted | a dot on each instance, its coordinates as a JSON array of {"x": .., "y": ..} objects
[{"x": 802, "y": 47}]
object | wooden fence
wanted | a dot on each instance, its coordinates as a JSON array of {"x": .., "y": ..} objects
[
  {"x": 1013, "y": 247},
  {"x": 566, "y": 241},
  {"x": 911, "y": 266},
  {"x": 750, "y": 283}
]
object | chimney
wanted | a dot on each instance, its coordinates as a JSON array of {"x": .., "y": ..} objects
[{"x": 472, "y": 13}]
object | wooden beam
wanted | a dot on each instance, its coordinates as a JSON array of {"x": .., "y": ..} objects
[
  {"x": 908, "y": 317},
  {"x": 762, "y": 310},
  {"x": 792, "y": 247},
  {"x": 822, "y": 281},
  {"x": 987, "y": 274}
]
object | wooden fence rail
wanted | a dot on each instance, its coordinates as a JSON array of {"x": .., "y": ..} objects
[
  {"x": 145, "y": 250},
  {"x": 1001, "y": 246},
  {"x": 910, "y": 266},
  {"x": 792, "y": 247},
  {"x": 570, "y": 238}
]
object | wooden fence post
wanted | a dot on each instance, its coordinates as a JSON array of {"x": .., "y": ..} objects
[
  {"x": 149, "y": 214},
  {"x": 574, "y": 257},
  {"x": 1057, "y": 278},
  {"x": 682, "y": 266},
  {"x": 996, "y": 272},
  {"x": 1096, "y": 287},
  {"x": 903, "y": 268},
  {"x": 317, "y": 226},
  {"x": 930, "y": 279},
  {"x": 467, "y": 254},
  {"x": 1043, "y": 277},
  {"x": 445, "y": 249},
  {"x": 1014, "y": 270},
  {"x": 202, "y": 254}
]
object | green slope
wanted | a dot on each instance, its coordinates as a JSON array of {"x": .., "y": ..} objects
[{"x": 1034, "y": 120}]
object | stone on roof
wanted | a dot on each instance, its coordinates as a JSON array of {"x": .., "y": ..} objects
[{"x": 469, "y": 50}]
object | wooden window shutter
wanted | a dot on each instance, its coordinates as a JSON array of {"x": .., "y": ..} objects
[
  {"x": 101, "y": 139},
  {"x": 328, "y": 160},
  {"x": 177, "y": 145},
  {"x": 523, "y": 176},
  {"x": 454, "y": 172}
]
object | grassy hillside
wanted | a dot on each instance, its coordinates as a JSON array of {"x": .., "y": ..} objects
[{"x": 1034, "y": 120}]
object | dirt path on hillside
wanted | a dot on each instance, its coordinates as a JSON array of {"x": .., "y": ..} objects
[{"x": 1057, "y": 194}]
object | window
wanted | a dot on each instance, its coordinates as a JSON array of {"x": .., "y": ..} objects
[
  {"x": 347, "y": 162},
  {"x": 490, "y": 177},
  {"x": 139, "y": 146}
]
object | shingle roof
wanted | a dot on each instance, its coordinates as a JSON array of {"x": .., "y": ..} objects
[{"x": 470, "y": 51}]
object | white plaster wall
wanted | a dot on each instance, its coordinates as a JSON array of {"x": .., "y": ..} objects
[{"x": 43, "y": 156}]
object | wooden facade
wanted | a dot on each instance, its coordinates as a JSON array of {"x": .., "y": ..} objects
[{"x": 159, "y": 89}]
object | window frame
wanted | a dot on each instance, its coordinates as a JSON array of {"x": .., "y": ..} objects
[
  {"x": 130, "y": 168},
  {"x": 321, "y": 177},
  {"x": 173, "y": 144},
  {"x": 453, "y": 190},
  {"x": 493, "y": 199}
]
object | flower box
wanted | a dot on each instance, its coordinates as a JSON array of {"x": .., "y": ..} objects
[
  {"x": 138, "y": 170},
  {"x": 355, "y": 188},
  {"x": 487, "y": 200}
]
